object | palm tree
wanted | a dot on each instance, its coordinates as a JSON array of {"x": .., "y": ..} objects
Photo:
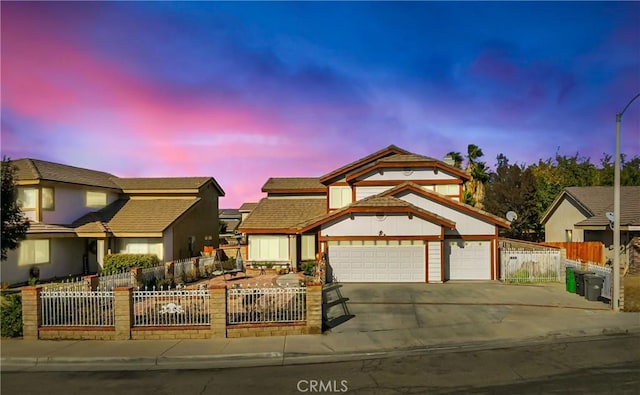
[
  {"x": 456, "y": 157},
  {"x": 479, "y": 173}
]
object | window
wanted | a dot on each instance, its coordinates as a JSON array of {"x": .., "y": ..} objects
[
  {"x": 268, "y": 248},
  {"x": 27, "y": 198},
  {"x": 339, "y": 197},
  {"x": 308, "y": 247},
  {"x": 568, "y": 235},
  {"x": 33, "y": 252},
  {"x": 141, "y": 246},
  {"x": 448, "y": 189},
  {"x": 47, "y": 198},
  {"x": 96, "y": 199}
]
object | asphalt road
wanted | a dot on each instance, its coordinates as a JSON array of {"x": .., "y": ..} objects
[{"x": 606, "y": 365}]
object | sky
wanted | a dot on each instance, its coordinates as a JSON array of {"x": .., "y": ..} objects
[{"x": 244, "y": 91}]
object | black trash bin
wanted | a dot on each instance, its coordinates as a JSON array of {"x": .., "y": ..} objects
[
  {"x": 593, "y": 287},
  {"x": 580, "y": 280}
]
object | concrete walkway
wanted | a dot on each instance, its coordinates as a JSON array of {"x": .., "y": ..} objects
[{"x": 375, "y": 321}]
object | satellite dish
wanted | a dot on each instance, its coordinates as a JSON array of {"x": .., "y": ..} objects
[
  {"x": 609, "y": 215},
  {"x": 511, "y": 216}
]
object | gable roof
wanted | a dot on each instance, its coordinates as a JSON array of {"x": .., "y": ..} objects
[
  {"x": 378, "y": 203},
  {"x": 35, "y": 170},
  {"x": 161, "y": 183},
  {"x": 390, "y": 150},
  {"x": 135, "y": 216},
  {"x": 294, "y": 184},
  {"x": 406, "y": 161},
  {"x": 446, "y": 201},
  {"x": 596, "y": 201},
  {"x": 282, "y": 215}
]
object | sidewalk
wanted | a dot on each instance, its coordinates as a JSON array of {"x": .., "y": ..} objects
[{"x": 524, "y": 324}]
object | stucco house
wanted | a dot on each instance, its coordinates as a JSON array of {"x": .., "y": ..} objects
[
  {"x": 79, "y": 215},
  {"x": 391, "y": 216},
  {"x": 579, "y": 214}
]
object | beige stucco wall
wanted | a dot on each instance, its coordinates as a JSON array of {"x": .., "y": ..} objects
[{"x": 563, "y": 218}]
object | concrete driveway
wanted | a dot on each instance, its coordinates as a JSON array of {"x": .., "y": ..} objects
[{"x": 382, "y": 307}]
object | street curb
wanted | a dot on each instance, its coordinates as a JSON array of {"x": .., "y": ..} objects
[{"x": 196, "y": 362}]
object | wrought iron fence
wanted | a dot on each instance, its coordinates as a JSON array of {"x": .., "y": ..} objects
[
  {"x": 265, "y": 305},
  {"x": 107, "y": 282},
  {"x": 521, "y": 266},
  {"x": 77, "y": 308},
  {"x": 69, "y": 285},
  {"x": 171, "y": 307}
]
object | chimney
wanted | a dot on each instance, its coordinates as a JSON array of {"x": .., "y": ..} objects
[{"x": 449, "y": 160}]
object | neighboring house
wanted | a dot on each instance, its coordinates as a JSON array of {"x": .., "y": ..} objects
[
  {"x": 80, "y": 215},
  {"x": 579, "y": 214},
  {"x": 231, "y": 217},
  {"x": 392, "y": 216}
]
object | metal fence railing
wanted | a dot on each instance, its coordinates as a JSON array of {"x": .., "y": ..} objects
[
  {"x": 265, "y": 305},
  {"x": 77, "y": 308},
  {"x": 107, "y": 282},
  {"x": 171, "y": 308},
  {"x": 521, "y": 266},
  {"x": 68, "y": 285}
]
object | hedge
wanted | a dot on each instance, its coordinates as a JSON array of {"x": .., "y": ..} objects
[
  {"x": 121, "y": 262},
  {"x": 11, "y": 315}
]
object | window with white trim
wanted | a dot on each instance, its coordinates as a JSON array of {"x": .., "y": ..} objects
[
  {"x": 308, "y": 247},
  {"x": 339, "y": 196},
  {"x": 448, "y": 189},
  {"x": 33, "y": 252},
  {"x": 268, "y": 248},
  {"x": 141, "y": 246}
]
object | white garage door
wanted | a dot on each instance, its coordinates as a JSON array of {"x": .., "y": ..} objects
[
  {"x": 378, "y": 263},
  {"x": 467, "y": 260}
]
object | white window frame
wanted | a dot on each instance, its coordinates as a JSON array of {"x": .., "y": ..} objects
[
  {"x": 448, "y": 189},
  {"x": 130, "y": 245},
  {"x": 272, "y": 248},
  {"x": 34, "y": 252},
  {"x": 339, "y": 196}
]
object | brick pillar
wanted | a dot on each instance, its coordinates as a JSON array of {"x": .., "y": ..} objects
[
  {"x": 314, "y": 309},
  {"x": 92, "y": 282},
  {"x": 196, "y": 271},
  {"x": 136, "y": 277},
  {"x": 168, "y": 271},
  {"x": 31, "y": 313},
  {"x": 123, "y": 305},
  {"x": 218, "y": 310}
]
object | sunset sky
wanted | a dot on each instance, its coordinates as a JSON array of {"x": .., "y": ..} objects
[{"x": 247, "y": 91}]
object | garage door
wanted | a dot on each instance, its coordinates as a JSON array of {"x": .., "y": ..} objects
[
  {"x": 467, "y": 260},
  {"x": 377, "y": 263}
]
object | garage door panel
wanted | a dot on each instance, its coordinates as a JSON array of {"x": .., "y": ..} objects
[
  {"x": 378, "y": 263},
  {"x": 468, "y": 260}
]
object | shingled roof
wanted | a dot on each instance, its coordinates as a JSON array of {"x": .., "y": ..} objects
[
  {"x": 597, "y": 201},
  {"x": 294, "y": 184},
  {"x": 282, "y": 215},
  {"x": 390, "y": 150},
  {"x": 35, "y": 169},
  {"x": 135, "y": 216},
  {"x": 162, "y": 183}
]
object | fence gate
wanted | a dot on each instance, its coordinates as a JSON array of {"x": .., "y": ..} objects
[{"x": 520, "y": 266}]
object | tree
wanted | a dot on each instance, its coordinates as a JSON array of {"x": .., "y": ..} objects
[
  {"x": 479, "y": 173},
  {"x": 513, "y": 188},
  {"x": 456, "y": 157},
  {"x": 14, "y": 224}
]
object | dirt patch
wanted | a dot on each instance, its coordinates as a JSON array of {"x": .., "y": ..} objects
[
  {"x": 631, "y": 292},
  {"x": 240, "y": 280}
]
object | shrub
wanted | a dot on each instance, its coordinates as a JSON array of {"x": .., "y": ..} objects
[
  {"x": 308, "y": 267},
  {"x": 120, "y": 262},
  {"x": 11, "y": 315}
]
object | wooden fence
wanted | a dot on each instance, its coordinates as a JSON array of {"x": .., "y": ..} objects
[{"x": 586, "y": 251}]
